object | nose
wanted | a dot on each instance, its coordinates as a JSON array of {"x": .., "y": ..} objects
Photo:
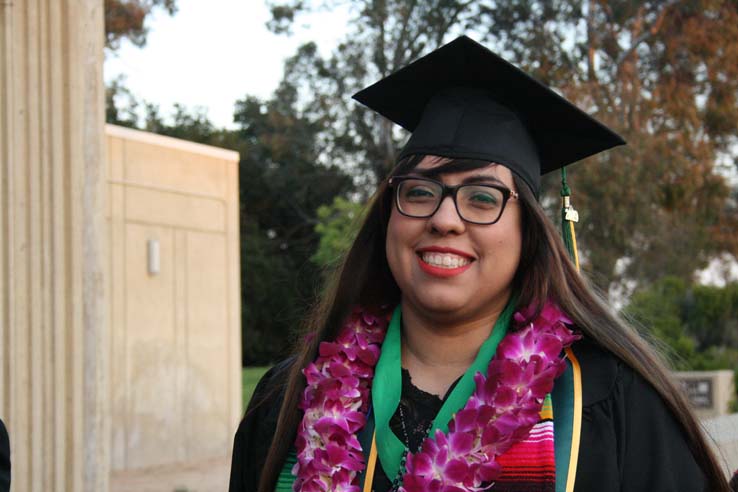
[{"x": 446, "y": 220}]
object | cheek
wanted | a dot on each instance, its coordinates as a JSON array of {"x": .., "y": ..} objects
[
  {"x": 516, "y": 249},
  {"x": 392, "y": 243},
  {"x": 505, "y": 253},
  {"x": 402, "y": 235},
  {"x": 506, "y": 249}
]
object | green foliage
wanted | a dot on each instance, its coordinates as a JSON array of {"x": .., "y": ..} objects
[
  {"x": 186, "y": 124},
  {"x": 282, "y": 185},
  {"x": 712, "y": 315},
  {"x": 658, "y": 312},
  {"x": 337, "y": 226},
  {"x": 120, "y": 104},
  {"x": 250, "y": 376},
  {"x": 696, "y": 324},
  {"x": 272, "y": 299}
]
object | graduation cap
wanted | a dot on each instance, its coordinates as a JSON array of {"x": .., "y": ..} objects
[{"x": 463, "y": 101}]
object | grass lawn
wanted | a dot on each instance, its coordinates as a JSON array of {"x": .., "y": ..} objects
[{"x": 249, "y": 377}]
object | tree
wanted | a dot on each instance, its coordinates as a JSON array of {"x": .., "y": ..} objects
[
  {"x": 120, "y": 104},
  {"x": 338, "y": 224},
  {"x": 661, "y": 73},
  {"x": 659, "y": 315},
  {"x": 711, "y": 315},
  {"x": 282, "y": 185},
  {"x": 384, "y": 36},
  {"x": 695, "y": 324},
  {"x": 126, "y": 19},
  {"x": 186, "y": 124}
]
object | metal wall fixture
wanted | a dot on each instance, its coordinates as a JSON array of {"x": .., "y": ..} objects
[{"x": 154, "y": 259}]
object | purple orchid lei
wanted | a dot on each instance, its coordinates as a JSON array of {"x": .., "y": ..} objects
[
  {"x": 501, "y": 412},
  {"x": 335, "y": 401}
]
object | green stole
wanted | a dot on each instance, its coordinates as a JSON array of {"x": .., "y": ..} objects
[{"x": 387, "y": 387}]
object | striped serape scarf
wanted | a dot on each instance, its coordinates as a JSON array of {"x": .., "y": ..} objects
[{"x": 530, "y": 465}]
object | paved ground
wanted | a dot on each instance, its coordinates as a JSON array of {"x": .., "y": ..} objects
[
  {"x": 208, "y": 476},
  {"x": 724, "y": 433}
]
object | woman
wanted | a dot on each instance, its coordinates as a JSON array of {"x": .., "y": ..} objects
[{"x": 417, "y": 375}]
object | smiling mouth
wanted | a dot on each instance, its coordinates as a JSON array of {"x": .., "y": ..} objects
[{"x": 444, "y": 260}]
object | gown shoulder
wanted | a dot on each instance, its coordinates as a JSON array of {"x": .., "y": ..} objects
[
  {"x": 630, "y": 440},
  {"x": 256, "y": 430}
]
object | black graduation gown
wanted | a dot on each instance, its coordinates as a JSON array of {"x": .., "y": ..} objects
[
  {"x": 4, "y": 459},
  {"x": 629, "y": 440}
]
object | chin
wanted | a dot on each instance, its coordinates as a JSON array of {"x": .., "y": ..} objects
[
  {"x": 455, "y": 303},
  {"x": 442, "y": 304}
]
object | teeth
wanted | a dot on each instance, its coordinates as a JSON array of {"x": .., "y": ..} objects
[{"x": 445, "y": 260}]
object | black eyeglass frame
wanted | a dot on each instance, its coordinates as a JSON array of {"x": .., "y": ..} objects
[{"x": 451, "y": 191}]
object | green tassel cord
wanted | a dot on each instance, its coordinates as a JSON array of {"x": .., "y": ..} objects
[{"x": 568, "y": 217}]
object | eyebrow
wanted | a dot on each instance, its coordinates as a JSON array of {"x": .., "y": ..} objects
[
  {"x": 482, "y": 178},
  {"x": 474, "y": 179}
]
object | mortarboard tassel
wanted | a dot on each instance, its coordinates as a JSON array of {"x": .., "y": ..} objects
[{"x": 568, "y": 217}]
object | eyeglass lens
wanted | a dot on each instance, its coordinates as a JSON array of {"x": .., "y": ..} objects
[{"x": 475, "y": 203}]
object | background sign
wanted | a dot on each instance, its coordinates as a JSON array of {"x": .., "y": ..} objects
[{"x": 699, "y": 392}]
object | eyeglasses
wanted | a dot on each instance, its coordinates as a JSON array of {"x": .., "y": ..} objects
[{"x": 475, "y": 203}]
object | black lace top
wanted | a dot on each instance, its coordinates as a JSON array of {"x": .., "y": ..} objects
[{"x": 418, "y": 409}]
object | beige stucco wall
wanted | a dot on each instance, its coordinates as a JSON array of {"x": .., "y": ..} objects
[
  {"x": 175, "y": 336},
  {"x": 53, "y": 334}
]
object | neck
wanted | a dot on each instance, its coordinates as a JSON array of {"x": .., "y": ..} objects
[{"x": 436, "y": 353}]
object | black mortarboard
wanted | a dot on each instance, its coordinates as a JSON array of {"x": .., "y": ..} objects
[{"x": 463, "y": 101}]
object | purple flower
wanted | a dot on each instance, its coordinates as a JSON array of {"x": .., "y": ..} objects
[
  {"x": 505, "y": 405},
  {"x": 528, "y": 343}
]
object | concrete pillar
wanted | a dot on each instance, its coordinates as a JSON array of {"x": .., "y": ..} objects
[{"x": 53, "y": 333}]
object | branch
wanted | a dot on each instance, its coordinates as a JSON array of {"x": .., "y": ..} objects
[
  {"x": 591, "y": 49},
  {"x": 399, "y": 47},
  {"x": 307, "y": 219},
  {"x": 600, "y": 93},
  {"x": 366, "y": 133},
  {"x": 381, "y": 60},
  {"x": 649, "y": 33},
  {"x": 415, "y": 51},
  {"x": 451, "y": 21}
]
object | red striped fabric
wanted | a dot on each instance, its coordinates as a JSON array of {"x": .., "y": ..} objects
[{"x": 530, "y": 465}]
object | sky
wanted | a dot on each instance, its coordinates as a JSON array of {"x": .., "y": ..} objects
[{"x": 213, "y": 52}]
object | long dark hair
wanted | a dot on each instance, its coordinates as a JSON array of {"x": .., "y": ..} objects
[{"x": 545, "y": 272}]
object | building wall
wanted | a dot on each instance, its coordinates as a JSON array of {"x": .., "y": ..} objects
[
  {"x": 53, "y": 321},
  {"x": 175, "y": 351}
]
